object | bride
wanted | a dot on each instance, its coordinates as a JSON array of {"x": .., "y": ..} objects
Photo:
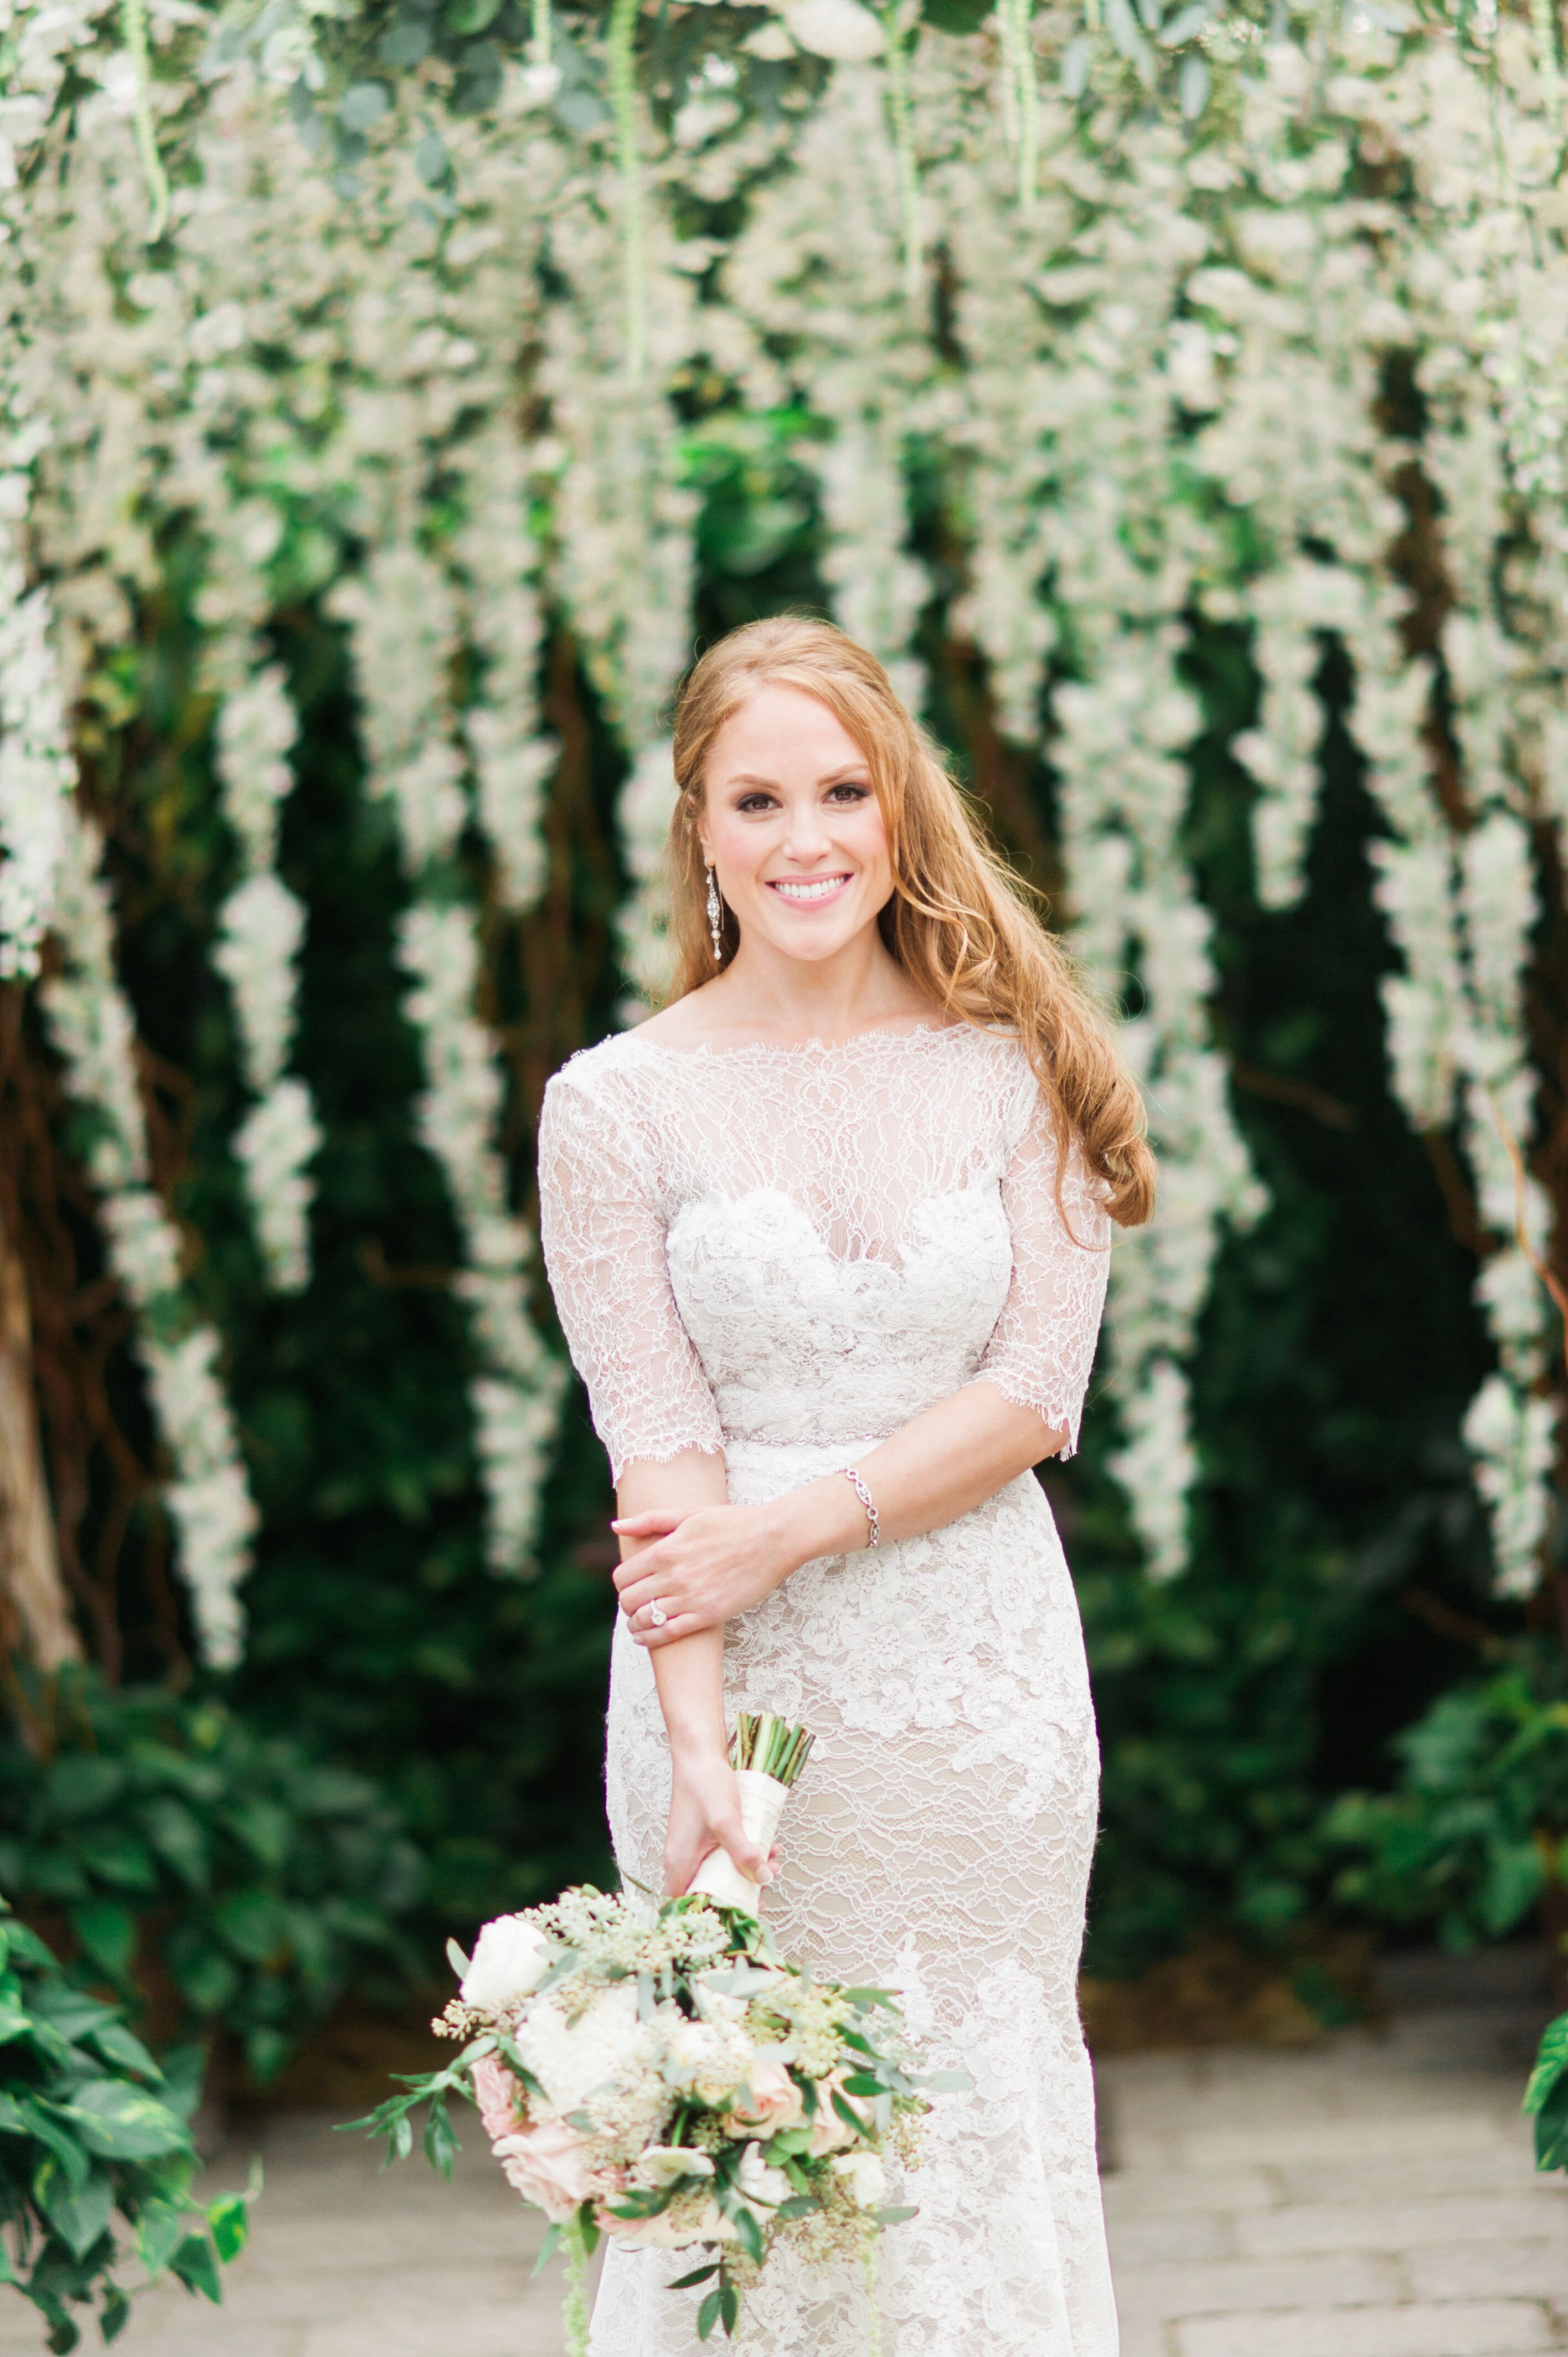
[{"x": 829, "y": 1239}]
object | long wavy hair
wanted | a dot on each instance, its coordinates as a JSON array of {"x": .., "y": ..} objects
[{"x": 959, "y": 923}]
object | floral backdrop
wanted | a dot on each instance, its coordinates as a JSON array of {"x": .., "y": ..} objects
[{"x": 1174, "y": 400}]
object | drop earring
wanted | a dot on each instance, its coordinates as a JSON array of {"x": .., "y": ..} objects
[{"x": 715, "y": 913}]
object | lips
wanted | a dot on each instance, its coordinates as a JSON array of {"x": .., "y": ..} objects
[{"x": 807, "y": 892}]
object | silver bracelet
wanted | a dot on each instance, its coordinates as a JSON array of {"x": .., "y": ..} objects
[{"x": 851, "y": 1475}]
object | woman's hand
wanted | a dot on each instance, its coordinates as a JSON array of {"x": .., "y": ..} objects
[
  {"x": 701, "y": 1567},
  {"x": 704, "y": 1816}
]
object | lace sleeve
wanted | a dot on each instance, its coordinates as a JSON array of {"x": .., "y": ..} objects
[
  {"x": 604, "y": 1251},
  {"x": 1042, "y": 1347}
]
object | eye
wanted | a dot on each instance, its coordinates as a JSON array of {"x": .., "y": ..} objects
[
  {"x": 757, "y": 802},
  {"x": 848, "y": 791}
]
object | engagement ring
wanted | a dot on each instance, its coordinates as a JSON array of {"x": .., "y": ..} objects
[{"x": 656, "y": 1614}]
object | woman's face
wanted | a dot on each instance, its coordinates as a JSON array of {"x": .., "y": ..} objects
[{"x": 792, "y": 826}]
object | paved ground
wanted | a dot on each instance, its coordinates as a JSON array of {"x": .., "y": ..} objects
[{"x": 1371, "y": 2197}]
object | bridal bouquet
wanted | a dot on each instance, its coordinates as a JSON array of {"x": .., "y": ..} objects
[{"x": 657, "y": 2072}]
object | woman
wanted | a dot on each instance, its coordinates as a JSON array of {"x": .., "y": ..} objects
[{"x": 828, "y": 1236}]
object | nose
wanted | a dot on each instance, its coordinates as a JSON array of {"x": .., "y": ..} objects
[{"x": 805, "y": 837}]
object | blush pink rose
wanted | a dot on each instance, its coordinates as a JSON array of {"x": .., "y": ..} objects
[
  {"x": 829, "y": 2133},
  {"x": 498, "y": 2095},
  {"x": 769, "y": 2102},
  {"x": 549, "y": 2167}
]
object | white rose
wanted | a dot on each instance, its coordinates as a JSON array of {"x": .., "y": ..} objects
[
  {"x": 834, "y": 28},
  {"x": 866, "y": 2177},
  {"x": 662, "y": 2163},
  {"x": 510, "y": 1958},
  {"x": 710, "y": 2060},
  {"x": 761, "y": 2185}
]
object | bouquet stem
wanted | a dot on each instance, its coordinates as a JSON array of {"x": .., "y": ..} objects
[
  {"x": 767, "y": 1755},
  {"x": 575, "y": 2307}
]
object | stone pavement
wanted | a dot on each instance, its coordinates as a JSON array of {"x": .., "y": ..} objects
[{"x": 1369, "y": 2196}]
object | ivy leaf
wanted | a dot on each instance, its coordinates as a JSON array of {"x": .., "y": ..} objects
[
  {"x": 77, "y": 2217},
  {"x": 159, "y": 2231},
  {"x": 114, "y": 2314},
  {"x": 229, "y": 2222},
  {"x": 1551, "y": 2062},
  {"x": 108, "y": 1933},
  {"x": 195, "y": 2264},
  {"x": 123, "y": 2124},
  {"x": 124, "y": 2050}
]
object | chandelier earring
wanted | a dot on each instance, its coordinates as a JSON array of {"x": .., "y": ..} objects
[{"x": 715, "y": 912}]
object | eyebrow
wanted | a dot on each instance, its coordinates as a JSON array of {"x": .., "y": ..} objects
[{"x": 828, "y": 778}]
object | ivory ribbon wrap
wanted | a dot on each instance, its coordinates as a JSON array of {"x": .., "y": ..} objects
[{"x": 762, "y": 1799}]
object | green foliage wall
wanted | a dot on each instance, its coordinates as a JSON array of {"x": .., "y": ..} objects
[{"x": 1338, "y": 1349}]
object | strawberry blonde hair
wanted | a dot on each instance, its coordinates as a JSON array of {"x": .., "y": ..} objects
[{"x": 959, "y": 923}]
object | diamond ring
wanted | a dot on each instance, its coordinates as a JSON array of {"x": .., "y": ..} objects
[{"x": 656, "y": 1614}]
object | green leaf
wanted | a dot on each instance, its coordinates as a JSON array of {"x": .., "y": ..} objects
[
  {"x": 160, "y": 2229},
  {"x": 798, "y": 2206},
  {"x": 697, "y": 2275},
  {"x": 204, "y": 1975},
  {"x": 116, "y": 1856},
  {"x": 123, "y": 2123},
  {"x": 266, "y": 2052},
  {"x": 708, "y": 2315},
  {"x": 78, "y": 1784},
  {"x": 863, "y": 2083},
  {"x": 365, "y": 104},
  {"x": 177, "y": 1835},
  {"x": 71, "y": 2012},
  {"x": 195, "y": 2264},
  {"x": 547, "y": 2250},
  {"x": 77, "y": 2217},
  {"x": 750, "y": 2234},
  {"x": 469, "y": 16},
  {"x": 1552, "y": 2129},
  {"x": 108, "y": 1934},
  {"x": 254, "y": 1924},
  {"x": 847, "y": 2113},
  {"x": 125, "y": 2050},
  {"x": 59, "y": 2136},
  {"x": 114, "y": 2314},
  {"x": 431, "y": 160},
  {"x": 1550, "y": 2062},
  {"x": 729, "y": 2308},
  {"x": 440, "y": 2146},
  {"x": 897, "y": 2213},
  {"x": 229, "y": 2222}
]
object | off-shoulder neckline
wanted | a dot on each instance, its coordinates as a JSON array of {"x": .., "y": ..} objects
[{"x": 707, "y": 1052}]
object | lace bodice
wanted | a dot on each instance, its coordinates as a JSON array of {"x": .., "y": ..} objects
[{"x": 814, "y": 1243}]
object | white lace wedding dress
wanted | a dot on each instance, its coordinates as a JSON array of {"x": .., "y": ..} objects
[{"x": 784, "y": 1253}]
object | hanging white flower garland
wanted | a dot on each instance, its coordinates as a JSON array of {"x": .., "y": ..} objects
[
  {"x": 91, "y": 1026},
  {"x": 404, "y": 640}
]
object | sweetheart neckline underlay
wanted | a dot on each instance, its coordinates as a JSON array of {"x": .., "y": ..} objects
[{"x": 707, "y": 1052}]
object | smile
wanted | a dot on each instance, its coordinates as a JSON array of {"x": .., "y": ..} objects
[{"x": 819, "y": 888}]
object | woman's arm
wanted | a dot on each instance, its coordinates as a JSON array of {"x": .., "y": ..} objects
[
  {"x": 704, "y": 1800},
  {"x": 705, "y": 1561}
]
